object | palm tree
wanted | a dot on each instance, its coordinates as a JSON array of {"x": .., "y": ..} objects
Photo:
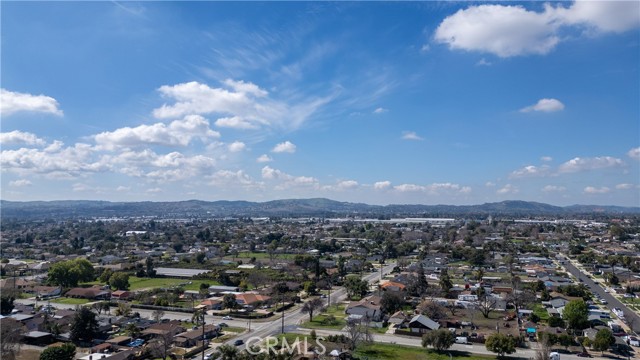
[{"x": 226, "y": 352}]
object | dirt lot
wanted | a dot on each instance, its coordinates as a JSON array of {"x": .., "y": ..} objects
[{"x": 484, "y": 326}]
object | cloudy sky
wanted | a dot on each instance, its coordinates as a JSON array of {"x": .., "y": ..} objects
[{"x": 411, "y": 102}]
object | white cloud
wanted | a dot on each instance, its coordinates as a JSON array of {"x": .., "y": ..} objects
[
  {"x": 490, "y": 184},
  {"x": 434, "y": 189},
  {"x": 123, "y": 188},
  {"x": 13, "y": 102},
  {"x": 554, "y": 188},
  {"x": 382, "y": 185},
  {"x": 19, "y": 137},
  {"x": 425, "y": 48},
  {"x": 54, "y": 161},
  {"x": 584, "y": 164},
  {"x": 264, "y": 158},
  {"x": 502, "y": 30},
  {"x": 410, "y": 135},
  {"x": 594, "y": 190},
  {"x": 624, "y": 186},
  {"x": 508, "y": 189},
  {"x": 20, "y": 183},
  {"x": 483, "y": 62},
  {"x": 380, "y": 110},
  {"x": 545, "y": 105},
  {"x": 347, "y": 184},
  {"x": 603, "y": 16},
  {"x": 530, "y": 171},
  {"x": 634, "y": 153},
  {"x": 284, "y": 147},
  {"x": 287, "y": 181},
  {"x": 409, "y": 188},
  {"x": 237, "y": 146},
  {"x": 235, "y": 122},
  {"x": 546, "y": 158},
  {"x": 177, "y": 133},
  {"x": 154, "y": 191},
  {"x": 227, "y": 177},
  {"x": 246, "y": 88},
  {"x": 243, "y": 105},
  {"x": 507, "y": 30}
]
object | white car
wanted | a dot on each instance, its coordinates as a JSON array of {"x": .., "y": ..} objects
[
  {"x": 208, "y": 357},
  {"x": 227, "y": 317}
]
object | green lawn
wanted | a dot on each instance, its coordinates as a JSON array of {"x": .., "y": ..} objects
[
  {"x": 319, "y": 323},
  {"x": 69, "y": 301},
  {"x": 540, "y": 310},
  {"x": 388, "y": 351},
  {"x": 136, "y": 283}
]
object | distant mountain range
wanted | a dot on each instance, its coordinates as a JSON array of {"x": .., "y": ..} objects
[{"x": 318, "y": 207}]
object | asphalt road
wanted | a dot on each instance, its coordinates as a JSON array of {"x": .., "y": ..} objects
[{"x": 633, "y": 320}]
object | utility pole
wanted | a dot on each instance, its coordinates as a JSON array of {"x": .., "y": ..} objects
[
  {"x": 282, "y": 327},
  {"x": 204, "y": 347}
]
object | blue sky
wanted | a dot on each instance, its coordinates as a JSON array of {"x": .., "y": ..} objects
[{"x": 382, "y": 103}]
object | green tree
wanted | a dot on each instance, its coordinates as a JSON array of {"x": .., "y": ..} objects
[
  {"x": 445, "y": 281},
  {"x": 84, "y": 325},
  {"x": 119, "y": 281},
  {"x": 576, "y": 315},
  {"x": 69, "y": 273},
  {"x": 501, "y": 344},
  {"x": 226, "y": 352},
  {"x": 6, "y": 304},
  {"x": 565, "y": 340},
  {"x": 603, "y": 340},
  {"x": 440, "y": 339},
  {"x": 132, "y": 330},
  {"x": 106, "y": 274},
  {"x": 391, "y": 302},
  {"x": 229, "y": 301},
  {"x": 150, "y": 271},
  {"x": 63, "y": 352},
  {"x": 355, "y": 286}
]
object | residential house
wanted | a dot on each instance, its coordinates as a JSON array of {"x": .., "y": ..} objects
[
  {"x": 367, "y": 307},
  {"x": 92, "y": 293},
  {"x": 121, "y": 295},
  {"x": 191, "y": 338},
  {"x": 422, "y": 324}
]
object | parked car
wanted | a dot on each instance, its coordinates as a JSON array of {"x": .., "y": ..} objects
[{"x": 583, "y": 354}]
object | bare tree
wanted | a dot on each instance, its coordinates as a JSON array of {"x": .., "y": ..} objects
[
  {"x": 10, "y": 335},
  {"x": 311, "y": 306},
  {"x": 161, "y": 343},
  {"x": 544, "y": 348},
  {"x": 157, "y": 315},
  {"x": 358, "y": 332},
  {"x": 432, "y": 309},
  {"x": 486, "y": 304}
]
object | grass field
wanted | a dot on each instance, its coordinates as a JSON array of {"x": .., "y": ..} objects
[
  {"x": 318, "y": 319},
  {"x": 542, "y": 313},
  {"x": 388, "y": 351},
  {"x": 69, "y": 301},
  {"x": 136, "y": 283}
]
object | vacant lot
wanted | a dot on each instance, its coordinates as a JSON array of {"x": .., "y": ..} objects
[
  {"x": 322, "y": 320},
  {"x": 387, "y": 351}
]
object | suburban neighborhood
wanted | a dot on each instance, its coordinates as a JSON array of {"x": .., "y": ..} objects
[{"x": 132, "y": 288}]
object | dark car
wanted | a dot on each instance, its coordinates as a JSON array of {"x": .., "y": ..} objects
[
  {"x": 583, "y": 354},
  {"x": 223, "y": 325},
  {"x": 238, "y": 342}
]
